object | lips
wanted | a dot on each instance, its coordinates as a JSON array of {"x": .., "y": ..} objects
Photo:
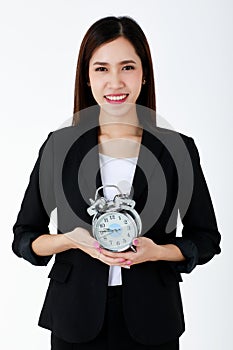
[{"x": 116, "y": 98}]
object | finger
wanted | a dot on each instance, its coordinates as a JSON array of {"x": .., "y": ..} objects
[
  {"x": 136, "y": 242},
  {"x": 101, "y": 256},
  {"x": 96, "y": 245},
  {"x": 124, "y": 254},
  {"x": 127, "y": 263},
  {"x": 110, "y": 253},
  {"x": 110, "y": 261}
]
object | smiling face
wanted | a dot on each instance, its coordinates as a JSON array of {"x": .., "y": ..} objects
[{"x": 115, "y": 73}]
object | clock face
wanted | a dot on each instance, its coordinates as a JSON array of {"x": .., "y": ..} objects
[{"x": 115, "y": 230}]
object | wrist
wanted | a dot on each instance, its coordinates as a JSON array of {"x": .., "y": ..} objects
[
  {"x": 170, "y": 252},
  {"x": 67, "y": 242},
  {"x": 163, "y": 252},
  {"x": 158, "y": 252}
]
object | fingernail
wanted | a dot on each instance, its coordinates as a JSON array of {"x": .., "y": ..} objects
[
  {"x": 121, "y": 260},
  {"x": 135, "y": 242},
  {"x": 96, "y": 245},
  {"x": 129, "y": 262}
]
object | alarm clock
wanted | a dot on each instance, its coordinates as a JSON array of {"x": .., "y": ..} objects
[{"x": 115, "y": 223}]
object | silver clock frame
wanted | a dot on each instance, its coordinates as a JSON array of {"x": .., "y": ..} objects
[{"x": 121, "y": 203}]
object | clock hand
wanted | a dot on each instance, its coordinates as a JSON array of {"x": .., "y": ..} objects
[{"x": 109, "y": 231}]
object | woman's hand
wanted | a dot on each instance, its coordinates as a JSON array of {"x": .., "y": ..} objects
[
  {"x": 147, "y": 250},
  {"x": 81, "y": 239}
]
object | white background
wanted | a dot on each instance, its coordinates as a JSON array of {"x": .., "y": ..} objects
[{"x": 191, "y": 44}]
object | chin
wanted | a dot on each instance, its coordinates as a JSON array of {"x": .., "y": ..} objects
[{"x": 117, "y": 110}]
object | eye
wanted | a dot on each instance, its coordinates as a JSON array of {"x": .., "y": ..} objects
[
  {"x": 100, "y": 69},
  {"x": 128, "y": 67}
]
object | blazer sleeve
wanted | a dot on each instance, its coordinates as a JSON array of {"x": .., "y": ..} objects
[
  {"x": 200, "y": 236},
  {"x": 34, "y": 216}
]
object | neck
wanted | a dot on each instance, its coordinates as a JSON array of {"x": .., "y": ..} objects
[{"x": 119, "y": 122}]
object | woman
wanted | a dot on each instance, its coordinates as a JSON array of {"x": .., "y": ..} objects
[{"x": 98, "y": 298}]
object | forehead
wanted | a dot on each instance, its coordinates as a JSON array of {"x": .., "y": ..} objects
[{"x": 115, "y": 51}]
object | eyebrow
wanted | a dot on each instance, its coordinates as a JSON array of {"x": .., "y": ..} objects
[{"x": 106, "y": 64}]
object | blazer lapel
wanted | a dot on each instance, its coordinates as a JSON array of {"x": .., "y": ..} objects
[
  {"x": 148, "y": 161},
  {"x": 88, "y": 162}
]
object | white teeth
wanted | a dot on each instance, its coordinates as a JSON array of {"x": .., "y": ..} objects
[{"x": 116, "y": 98}]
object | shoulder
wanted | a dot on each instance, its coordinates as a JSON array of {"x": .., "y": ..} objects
[
  {"x": 65, "y": 137},
  {"x": 169, "y": 133},
  {"x": 172, "y": 145},
  {"x": 170, "y": 138},
  {"x": 65, "y": 131}
]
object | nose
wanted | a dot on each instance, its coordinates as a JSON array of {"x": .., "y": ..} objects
[{"x": 115, "y": 80}]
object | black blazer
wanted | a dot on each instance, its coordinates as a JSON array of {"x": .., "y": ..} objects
[{"x": 65, "y": 176}]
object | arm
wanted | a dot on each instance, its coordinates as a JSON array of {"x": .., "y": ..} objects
[
  {"x": 200, "y": 236},
  {"x": 33, "y": 218},
  {"x": 32, "y": 239},
  {"x": 50, "y": 244},
  {"x": 147, "y": 250},
  {"x": 79, "y": 238}
]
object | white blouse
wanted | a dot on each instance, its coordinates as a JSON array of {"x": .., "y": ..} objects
[{"x": 119, "y": 172}]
